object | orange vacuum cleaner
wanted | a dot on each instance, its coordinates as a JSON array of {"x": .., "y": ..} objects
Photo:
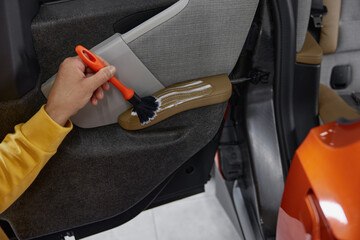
[{"x": 322, "y": 192}]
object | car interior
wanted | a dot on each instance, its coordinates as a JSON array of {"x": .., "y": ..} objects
[{"x": 292, "y": 64}]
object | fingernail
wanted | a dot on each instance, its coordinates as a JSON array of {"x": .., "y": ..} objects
[{"x": 112, "y": 70}]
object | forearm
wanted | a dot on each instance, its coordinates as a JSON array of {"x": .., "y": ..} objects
[{"x": 24, "y": 153}]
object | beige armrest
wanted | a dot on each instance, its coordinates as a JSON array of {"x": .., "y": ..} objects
[
  {"x": 182, "y": 97},
  {"x": 311, "y": 52}
]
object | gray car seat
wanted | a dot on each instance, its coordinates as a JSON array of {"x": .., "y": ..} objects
[
  {"x": 340, "y": 67},
  {"x": 338, "y": 52}
]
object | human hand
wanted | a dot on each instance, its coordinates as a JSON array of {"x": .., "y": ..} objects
[{"x": 74, "y": 86}]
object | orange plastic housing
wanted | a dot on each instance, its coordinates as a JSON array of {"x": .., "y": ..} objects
[{"x": 322, "y": 192}]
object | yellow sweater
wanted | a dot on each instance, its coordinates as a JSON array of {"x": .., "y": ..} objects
[{"x": 24, "y": 153}]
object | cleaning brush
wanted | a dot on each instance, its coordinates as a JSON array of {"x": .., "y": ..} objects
[{"x": 145, "y": 108}]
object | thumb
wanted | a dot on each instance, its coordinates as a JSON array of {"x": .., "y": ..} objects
[{"x": 101, "y": 77}]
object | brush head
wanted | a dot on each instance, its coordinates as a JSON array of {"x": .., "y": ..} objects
[{"x": 145, "y": 108}]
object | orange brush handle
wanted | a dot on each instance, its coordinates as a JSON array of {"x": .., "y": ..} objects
[{"x": 96, "y": 64}]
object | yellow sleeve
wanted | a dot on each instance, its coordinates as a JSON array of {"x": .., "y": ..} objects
[{"x": 24, "y": 153}]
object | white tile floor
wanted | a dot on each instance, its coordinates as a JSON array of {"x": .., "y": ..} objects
[{"x": 195, "y": 218}]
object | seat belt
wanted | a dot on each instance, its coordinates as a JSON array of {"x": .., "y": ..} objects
[{"x": 318, "y": 10}]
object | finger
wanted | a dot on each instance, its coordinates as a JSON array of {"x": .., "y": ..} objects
[
  {"x": 99, "y": 93},
  {"x": 100, "y": 77},
  {"x": 89, "y": 70},
  {"x": 103, "y": 60},
  {"x": 93, "y": 100},
  {"x": 106, "y": 86},
  {"x": 89, "y": 74},
  {"x": 79, "y": 63},
  {"x": 74, "y": 63}
]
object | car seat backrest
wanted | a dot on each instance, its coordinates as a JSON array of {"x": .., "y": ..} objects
[
  {"x": 303, "y": 15},
  {"x": 329, "y": 31},
  {"x": 349, "y": 26}
]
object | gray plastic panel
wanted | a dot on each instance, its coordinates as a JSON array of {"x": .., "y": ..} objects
[
  {"x": 130, "y": 71},
  {"x": 266, "y": 161}
]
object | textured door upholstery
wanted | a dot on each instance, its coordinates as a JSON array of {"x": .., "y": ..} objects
[{"x": 205, "y": 39}]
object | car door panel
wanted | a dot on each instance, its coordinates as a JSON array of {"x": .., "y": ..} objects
[
  {"x": 185, "y": 41},
  {"x": 103, "y": 172},
  {"x": 97, "y": 174}
]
